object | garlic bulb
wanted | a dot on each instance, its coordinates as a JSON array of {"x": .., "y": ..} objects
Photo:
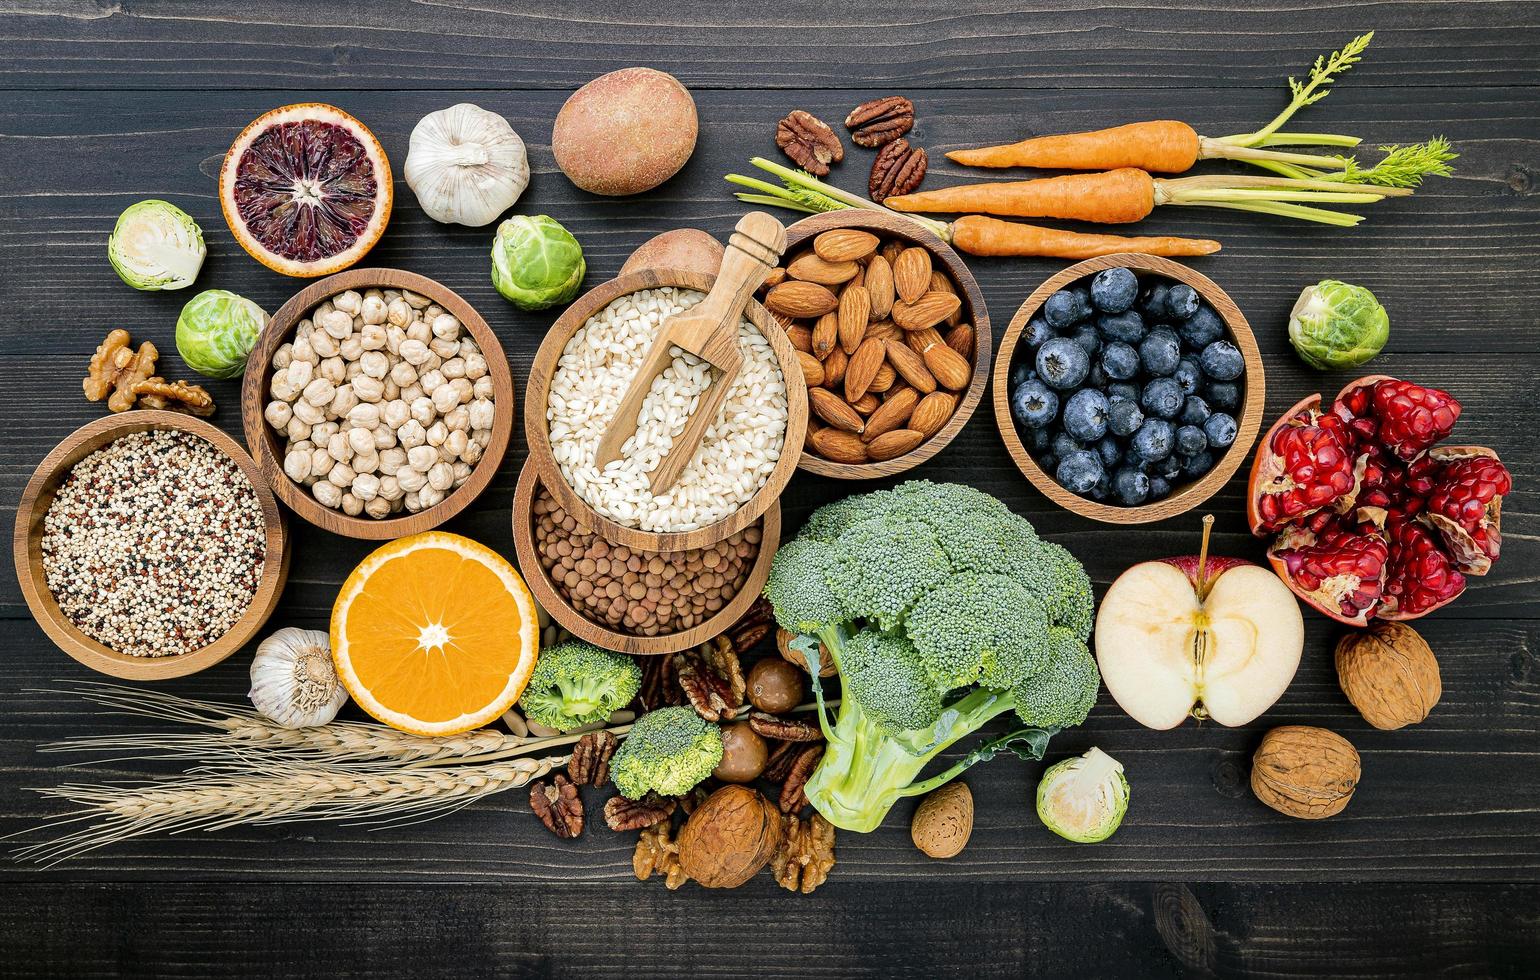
[
  {"x": 293, "y": 680},
  {"x": 466, "y": 165}
]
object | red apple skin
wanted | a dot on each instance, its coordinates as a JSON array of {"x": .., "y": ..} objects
[{"x": 1217, "y": 566}]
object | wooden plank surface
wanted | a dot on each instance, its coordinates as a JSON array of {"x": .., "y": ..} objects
[{"x": 105, "y": 104}]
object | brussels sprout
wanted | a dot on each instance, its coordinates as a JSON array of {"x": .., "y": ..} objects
[
  {"x": 1083, "y": 799},
  {"x": 216, "y": 330},
  {"x": 536, "y": 262},
  {"x": 1337, "y": 325},
  {"x": 156, "y": 245}
]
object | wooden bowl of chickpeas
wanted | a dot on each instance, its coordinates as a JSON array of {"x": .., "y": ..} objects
[{"x": 377, "y": 403}]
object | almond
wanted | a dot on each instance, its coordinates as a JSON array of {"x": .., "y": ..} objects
[
  {"x": 860, "y": 277},
  {"x": 926, "y": 311},
  {"x": 931, "y": 413},
  {"x": 940, "y": 282},
  {"x": 911, "y": 367},
  {"x": 811, "y": 268},
  {"x": 845, "y": 245},
  {"x": 773, "y": 279},
  {"x": 951, "y": 369},
  {"x": 891, "y": 445},
  {"x": 834, "y": 410},
  {"x": 884, "y": 379},
  {"x": 960, "y": 339},
  {"x": 892, "y": 250},
  {"x": 834, "y": 367},
  {"x": 891, "y": 414},
  {"x": 800, "y": 300},
  {"x": 866, "y": 404},
  {"x": 812, "y": 369},
  {"x": 854, "y": 314},
  {"x": 863, "y": 366},
  {"x": 919, "y": 340},
  {"x": 911, "y": 274},
  {"x": 839, "y": 446},
  {"x": 813, "y": 426},
  {"x": 879, "y": 283},
  {"x": 886, "y": 329},
  {"x": 801, "y": 337},
  {"x": 825, "y": 333}
]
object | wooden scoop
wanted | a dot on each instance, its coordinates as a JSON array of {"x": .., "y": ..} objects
[{"x": 709, "y": 331}]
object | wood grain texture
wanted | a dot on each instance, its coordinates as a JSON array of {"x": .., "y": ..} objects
[{"x": 1184, "y": 497}]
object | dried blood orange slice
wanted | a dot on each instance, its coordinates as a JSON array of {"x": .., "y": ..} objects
[{"x": 306, "y": 189}]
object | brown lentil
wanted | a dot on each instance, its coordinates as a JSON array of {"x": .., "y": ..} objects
[
  {"x": 644, "y": 593},
  {"x": 154, "y": 544}
]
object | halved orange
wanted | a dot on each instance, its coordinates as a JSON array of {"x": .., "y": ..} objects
[
  {"x": 435, "y": 634},
  {"x": 306, "y": 189}
]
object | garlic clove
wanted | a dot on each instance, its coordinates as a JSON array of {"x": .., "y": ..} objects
[
  {"x": 466, "y": 165},
  {"x": 293, "y": 680}
]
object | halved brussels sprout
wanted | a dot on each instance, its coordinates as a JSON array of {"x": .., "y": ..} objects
[
  {"x": 217, "y": 330},
  {"x": 1337, "y": 325},
  {"x": 156, "y": 245},
  {"x": 1083, "y": 799},
  {"x": 536, "y": 262}
]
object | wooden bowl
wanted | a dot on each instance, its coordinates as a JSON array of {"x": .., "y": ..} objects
[
  {"x": 537, "y": 432},
  {"x": 579, "y": 625},
  {"x": 945, "y": 258},
  {"x": 28, "y": 536},
  {"x": 267, "y": 445},
  {"x": 1187, "y": 496}
]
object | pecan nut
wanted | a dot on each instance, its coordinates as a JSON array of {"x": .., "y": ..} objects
[
  {"x": 785, "y": 729},
  {"x": 623, "y": 814},
  {"x": 590, "y": 762},
  {"x": 806, "y": 854},
  {"x": 694, "y": 798},
  {"x": 752, "y": 628},
  {"x": 712, "y": 678},
  {"x": 880, "y": 121},
  {"x": 658, "y": 853},
  {"x": 782, "y": 758},
  {"x": 558, "y": 806},
  {"x": 793, "y": 791},
  {"x": 660, "y": 688},
  {"x": 898, "y": 169},
  {"x": 809, "y": 142}
]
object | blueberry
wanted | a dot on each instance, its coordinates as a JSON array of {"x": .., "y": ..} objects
[
  {"x": 1085, "y": 335},
  {"x": 1065, "y": 444},
  {"x": 1131, "y": 487},
  {"x": 1085, "y": 415},
  {"x": 1195, "y": 411},
  {"x": 1038, "y": 440},
  {"x": 1162, "y": 397},
  {"x": 1036, "y": 332},
  {"x": 1062, "y": 363},
  {"x": 1120, "y": 360},
  {"x": 1021, "y": 373},
  {"x": 1170, "y": 468},
  {"x": 1219, "y": 430},
  {"x": 1124, "y": 417},
  {"x": 1114, "y": 290},
  {"x": 1127, "y": 326},
  {"x": 1190, "y": 439},
  {"x": 1121, "y": 389},
  {"x": 1154, "y": 440},
  {"x": 1048, "y": 462},
  {"x": 1099, "y": 491},
  {"x": 1160, "y": 353},
  {"x": 1160, "y": 487},
  {"x": 1033, "y": 404},
  {"x": 1197, "y": 464},
  {"x": 1223, "y": 396},
  {"x": 1066, "y": 307},
  {"x": 1110, "y": 450},
  {"x": 1188, "y": 375},
  {"x": 1152, "y": 302},
  {"x": 1096, "y": 377},
  {"x": 1079, "y": 472},
  {"x": 1221, "y": 361},
  {"x": 1201, "y": 329},
  {"x": 1181, "y": 301}
]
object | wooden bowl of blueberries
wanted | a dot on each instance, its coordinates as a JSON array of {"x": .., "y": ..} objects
[{"x": 1128, "y": 388}]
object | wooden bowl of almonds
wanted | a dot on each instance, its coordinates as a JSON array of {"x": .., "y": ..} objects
[
  {"x": 892, "y": 335},
  {"x": 378, "y": 403}
]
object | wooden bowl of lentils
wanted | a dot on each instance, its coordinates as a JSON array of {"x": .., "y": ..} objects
[
  {"x": 629, "y": 599},
  {"x": 149, "y": 546}
]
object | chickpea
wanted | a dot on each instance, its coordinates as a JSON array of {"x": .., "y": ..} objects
[
  {"x": 410, "y": 480},
  {"x": 431, "y": 380},
  {"x": 282, "y": 356},
  {"x": 403, "y": 374},
  {"x": 342, "y": 475},
  {"x": 390, "y": 488},
  {"x": 343, "y": 400},
  {"x": 395, "y": 413},
  {"x": 377, "y": 507},
  {"x": 384, "y": 437},
  {"x": 351, "y": 505},
  {"x": 360, "y": 440},
  {"x": 445, "y": 397},
  {"x": 457, "y": 442},
  {"x": 327, "y": 494},
  {"x": 422, "y": 458},
  {"x": 391, "y": 460},
  {"x": 323, "y": 343},
  {"x": 413, "y": 351},
  {"x": 422, "y": 410},
  {"x": 373, "y": 337},
  {"x": 429, "y": 497},
  {"x": 446, "y": 327},
  {"x": 444, "y": 348},
  {"x": 296, "y": 466},
  {"x": 397, "y": 313},
  {"x": 278, "y": 414},
  {"x": 441, "y": 476},
  {"x": 337, "y": 323},
  {"x": 307, "y": 412},
  {"x": 373, "y": 310},
  {"x": 319, "y": 392},
  {"x": 334, "y": 369},
  {"x": 411, "y": 434},
  {"x": 298, "y": 374},
  {"x": 366, "y": 487},
  {"x": 482, "y": 387},
  {"x": 393, "y": 338},
  {"x": 437, "y": 433},
  {"x": 368, "y": 389},
  {"x": 368, "y": 462},
  {"x": 351, "y": 347},
  {"x": 301, "y": 350},
  {"x": 415, "y": 300},
  {"x": 349, "y": 302}
]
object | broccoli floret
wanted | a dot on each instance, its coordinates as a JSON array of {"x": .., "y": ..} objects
[
  {"x": 831, "y": 520},
  {"x": 885, "y": 675},
  {"x": 882, "y": 566},
  {"x": 994, "y": 545},
  {"x": 1072, "y": 603},
  {"x": 576, "y": 683},
  {"x": 1063, "y": 693},
  {"x": 798, "y": 586},
  {"x": 979, "y": 628},
  {"x": 668, "y": 752}
]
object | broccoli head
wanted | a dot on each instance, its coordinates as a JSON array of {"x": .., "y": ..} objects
[
  {"x": 975, "y": 629},
  {"x": 1063, "y": 693},
  {"x": 881, "y": 566},
  {"x": 1071, "y": 604},
  {"x": 888, "y": 679},
  {"x": 576, "y": 683},
  {"x": 799, "y": 587},
  {"x": 667, "y": 752}
]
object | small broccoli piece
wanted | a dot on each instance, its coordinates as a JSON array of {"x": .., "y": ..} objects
[
  {"x": 887, "y": 678},
  {"x": 576, "y": 683},
  {"x": 798, "y": 586},
  {"x": 994, "y": 545},
  {"x": 980, "y": 628},
  {"x": 1072, "y": 603},
  {"x": 883, "y": 565},
  {"x": 668, "y": 752},
  {"x": 831, "y": 520},
  {"x": 1063, "y": 693}
]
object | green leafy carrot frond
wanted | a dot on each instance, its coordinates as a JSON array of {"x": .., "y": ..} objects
[
  {"x": 1325, "y": 70},
  {"x": 1404, "y": 166}
]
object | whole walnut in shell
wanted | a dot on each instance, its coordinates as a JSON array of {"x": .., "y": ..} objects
[
  {"x": 1305, "y": 772},
  {"x": 943, "y": 821},
  {"x": 1390, "y": 674},
  {"x": 729, "y": 837}
]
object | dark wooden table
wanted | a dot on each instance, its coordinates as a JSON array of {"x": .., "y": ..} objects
[{"x": 1434, "y": 868}]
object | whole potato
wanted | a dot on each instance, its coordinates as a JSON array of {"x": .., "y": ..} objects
[
  {"x": 625, "y": 132},
  {"x": 682, "y": 248}
]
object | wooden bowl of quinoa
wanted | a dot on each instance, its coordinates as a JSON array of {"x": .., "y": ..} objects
[{"x": 225, "y": 565}]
